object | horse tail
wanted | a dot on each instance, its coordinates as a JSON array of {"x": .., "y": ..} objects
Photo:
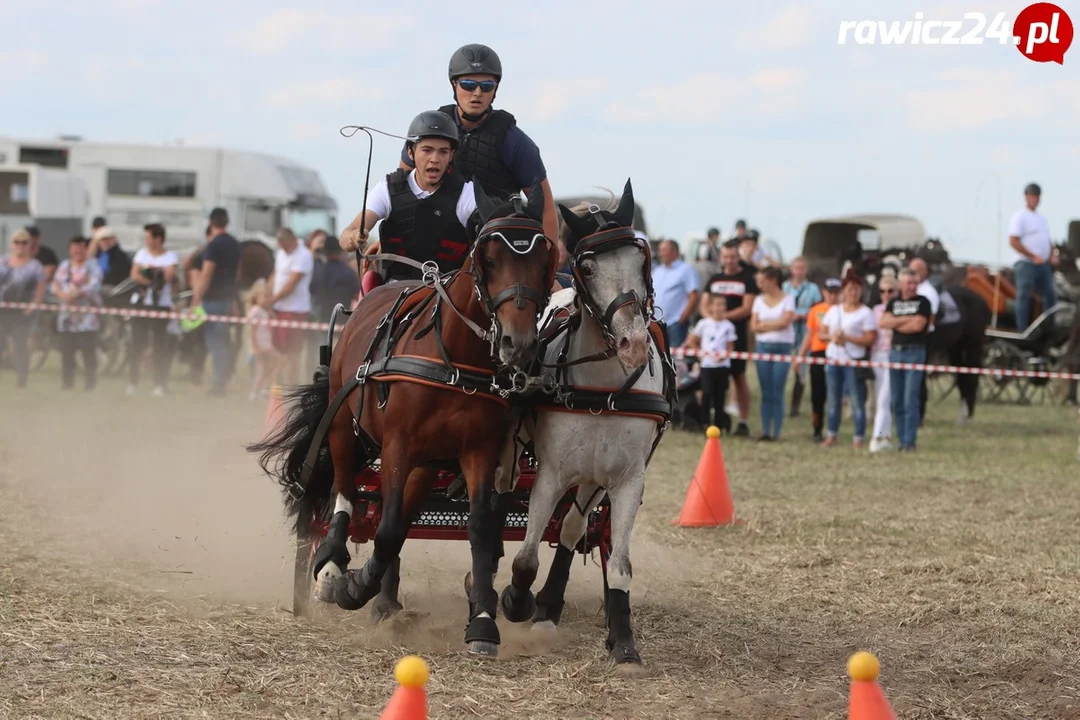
[{"x": 284, "y": 451}]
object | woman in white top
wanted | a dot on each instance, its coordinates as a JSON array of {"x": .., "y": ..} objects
[
  {"x": 154, "y": 269},
  {"x": 850, "y": 329},
  {"x": 771, "y": 320},
  {"x": 882, "y": 440}
]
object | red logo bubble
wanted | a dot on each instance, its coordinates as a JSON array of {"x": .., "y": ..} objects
[{"x": 1043, "y": 32}]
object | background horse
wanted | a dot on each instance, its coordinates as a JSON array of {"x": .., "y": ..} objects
[
  {"x": 416, "y": 365},
  {"x": 598, "y": 432}
]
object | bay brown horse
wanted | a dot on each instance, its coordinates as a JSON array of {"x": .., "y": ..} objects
[{"x": 418, "y": 382}]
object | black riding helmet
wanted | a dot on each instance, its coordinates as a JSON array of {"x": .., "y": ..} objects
[
  {"x": 432, "y": 123},
  {"x": 474, "y": 59}
]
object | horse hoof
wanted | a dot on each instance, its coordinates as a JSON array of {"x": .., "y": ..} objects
[
  {"x": 483, "y": 649},
  {"x": 545, "y": 627},
  {"x": 625, "y": 655},
  {"x": 384, "y": 608},
  {"x": 520, "y": 610},
  {"x": 482, "y": 636}
]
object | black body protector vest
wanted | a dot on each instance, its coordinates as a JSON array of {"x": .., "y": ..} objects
[
  {"x": 423, "y": 229},
  {"x": 479, "y": 154}
]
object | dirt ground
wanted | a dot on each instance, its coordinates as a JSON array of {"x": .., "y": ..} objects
[{"x": 145, "y": 571}]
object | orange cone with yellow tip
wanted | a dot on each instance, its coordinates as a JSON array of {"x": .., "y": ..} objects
[
  {"x": 275, "y": 411},
  {"x": 867, "y": 701},
  {"x": 410, "y": 699},
  {"x": 708, "y": 500}
]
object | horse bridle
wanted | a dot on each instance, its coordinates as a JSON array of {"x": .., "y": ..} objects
[
  {"x": 609, "y": 237},
  {"x": 519, "y": 293}
]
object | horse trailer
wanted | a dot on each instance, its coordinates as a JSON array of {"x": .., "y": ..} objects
[{"x": 131, "y": 185}]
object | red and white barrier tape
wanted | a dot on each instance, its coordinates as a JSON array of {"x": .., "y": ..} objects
[
  {"x": 675, "y": 352},
  {"x": 164, "y": 315}
]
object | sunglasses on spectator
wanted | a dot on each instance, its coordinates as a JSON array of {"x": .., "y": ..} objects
[
  {"x": 485, "y": 86},
  {"x": 886, "y": 290},
  {"x": 21, "y": 242}
]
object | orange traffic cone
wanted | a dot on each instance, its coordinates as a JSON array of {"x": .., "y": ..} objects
[
  {"x": 867, "y": 701},
  {"x": 410, "y": 700},
  {"x": 708, "y": 500},
  {"x": 275, "y": 411}
]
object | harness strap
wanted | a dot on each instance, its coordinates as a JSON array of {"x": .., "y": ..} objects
[
  {"x": 297, "y": 489},
  {"x": 430, "y": 269},
  {"x": 432, "y": 371}
]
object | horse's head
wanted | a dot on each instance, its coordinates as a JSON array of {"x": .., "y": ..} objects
[
  {"x": 613, "y": 274},
  {"x": 514, "y": 265}
]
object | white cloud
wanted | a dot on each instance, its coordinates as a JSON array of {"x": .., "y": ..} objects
[
  {"x": 16, "y": 63},
  {"x": 330, "y": 31},
  {"x": 973, "y": 100},
  {"x": 1005, "y": 155},
  {"x": 331, "y": 91},
  {"x": 557, "y": 96},
  {"x": 705, "y": 96},
  {"x": 788, "y": 29}
]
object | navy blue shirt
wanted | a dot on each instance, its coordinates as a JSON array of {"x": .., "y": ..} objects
[{"x": 519, "y": 153}]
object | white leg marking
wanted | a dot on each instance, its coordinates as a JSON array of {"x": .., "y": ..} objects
[{"x": 342, "y": 504}]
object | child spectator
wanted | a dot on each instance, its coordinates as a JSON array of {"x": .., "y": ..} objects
[
  {"x": 713, "y": 335},
  {"x": 268, "y": 360}
]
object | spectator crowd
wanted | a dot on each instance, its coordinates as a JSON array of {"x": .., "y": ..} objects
[
  {"x": 309, "y": 277},
  {"x": 738, "y": 298}
]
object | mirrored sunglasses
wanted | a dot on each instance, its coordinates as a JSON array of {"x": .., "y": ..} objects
[{"x": 485, "y": 86}]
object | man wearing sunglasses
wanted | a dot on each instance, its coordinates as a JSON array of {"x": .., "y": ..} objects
[
  {"x": 430, "y": 198},
  {"x": 494, "y": 150}
]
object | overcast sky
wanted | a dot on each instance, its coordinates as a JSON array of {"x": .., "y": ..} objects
[{"x": 694, "y": 100}]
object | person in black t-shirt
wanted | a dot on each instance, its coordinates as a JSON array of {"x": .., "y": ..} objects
[
  {"x": 42, "y": 253},
  {"x": 736, "y": 283},
  {"x": 215, "y": 291},
  {"x": 908, "y": 316}
]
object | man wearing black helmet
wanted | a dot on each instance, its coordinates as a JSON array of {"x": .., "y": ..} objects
[
  {"x": 494, "y": 150},
  {"x": 1029, "y": 238},
  {"x": 424, "y": 210}
]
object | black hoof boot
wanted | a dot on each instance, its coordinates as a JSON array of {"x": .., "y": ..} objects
[
  {"x": 622, "y": 649},
  {"x": 547, "y": 612},
  {"x": 355, "y": 589},
  {"x": 517, "y": 605},
  {"x": 384, "y": 608},
  {"x": 332, "y": 548},
  {"x": 482, "y": 637}
]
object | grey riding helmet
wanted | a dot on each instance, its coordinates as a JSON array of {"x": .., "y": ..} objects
[
  {"x": 1033, "y": 189},
  {"x": 475, "y": 59},
  {"x": 432, "y": 123}
]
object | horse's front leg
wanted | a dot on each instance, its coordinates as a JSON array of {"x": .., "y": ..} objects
[
  {"x": 552, "y": 597},
  {"x": 518, "y": 603},
  {"x": 356, "y": 588},
  {"x": 625, "y": 501},
  {"x": 386, "y": 603},
  {"x": 482, "y": 634}
]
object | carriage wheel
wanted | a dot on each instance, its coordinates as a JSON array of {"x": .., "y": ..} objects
[
  {"x": 303, "y": 581},
  {"x": 1001, "y": 355}
]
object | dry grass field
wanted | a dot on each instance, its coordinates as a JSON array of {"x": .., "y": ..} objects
[{"x": 145, "y": 571}]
